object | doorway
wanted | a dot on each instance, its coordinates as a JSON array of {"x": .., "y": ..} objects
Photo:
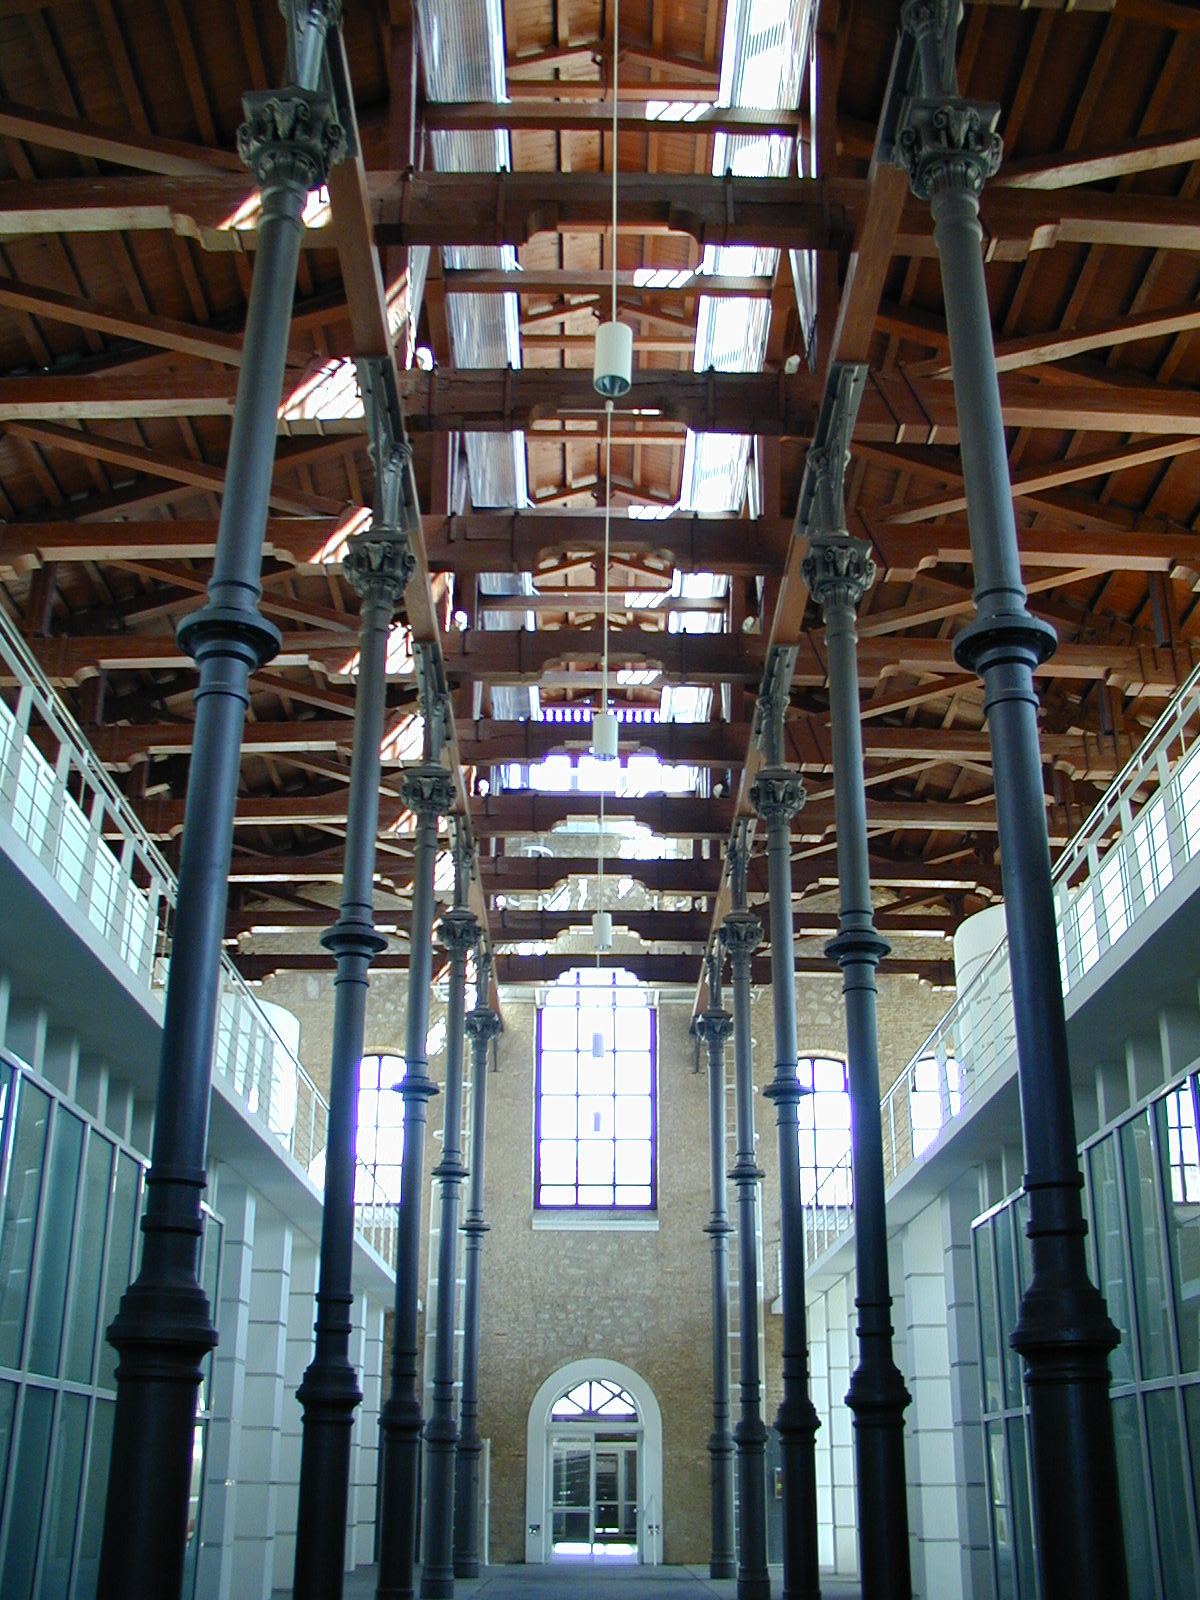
[
  {"x": 594, "y": 1467},
  {"x": 594, "y": 1495}
]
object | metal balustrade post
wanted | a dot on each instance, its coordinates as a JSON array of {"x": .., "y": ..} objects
[
  {"x": 777, "y": 795},
  {"x": 741, "y": 935},
  {"x": 838, "y": 571},
  {"x": 459, "y": 934},
  {"x": 164, "y": 1327},
  {"x": 949, "y": 147},
  {"x": 482, "y": 1026},
  {"x": 714, "y": 1025},
  {"x": 428, "y": 792},
  {"x": 379, "y": 565}
]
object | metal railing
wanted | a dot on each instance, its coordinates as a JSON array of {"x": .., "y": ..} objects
[
  {"x": 61, "y": 803},
  {"x": 1140, "y": 836}
]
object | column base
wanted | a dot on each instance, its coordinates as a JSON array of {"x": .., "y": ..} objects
[{"x": 723, "y": 1568}]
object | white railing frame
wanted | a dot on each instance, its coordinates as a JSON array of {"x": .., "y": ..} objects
[
  {"x": 1145, "y": 829},
  {"x": 124, "y": 888}
]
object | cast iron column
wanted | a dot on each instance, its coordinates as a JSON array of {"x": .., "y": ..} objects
[
  {"x": 741, "y": 935},
  {"x": 777, "y": 795},
  {"x": 164, "y": 1328},
  {"x": 459, "y": 934},
  {"x": 378, "y": 565},
  {"x": 1063, "y": 1332},
  {"x": 482, "y": 1026},
  {"x": 429, "y": 793},
  {"x": 838, "y": 571},
  {"x": 714, "y": 1026}
]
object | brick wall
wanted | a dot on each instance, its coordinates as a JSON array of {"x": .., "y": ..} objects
[{"x": 637, "y": 1297}]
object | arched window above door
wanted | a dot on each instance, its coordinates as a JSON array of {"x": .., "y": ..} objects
[{"x": 595, "y": 1401}]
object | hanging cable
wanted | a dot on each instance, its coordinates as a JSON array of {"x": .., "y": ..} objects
[{"x": 616, "y": 163}]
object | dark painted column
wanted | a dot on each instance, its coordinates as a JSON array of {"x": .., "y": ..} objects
[
  {"x": 839, "y": 571},
  {"x": 378, "y": 565},
  {"x": 429, "y": 793},
  {"x": 949, "y": 147},
  {"x": 164, "y": 1328},
  {"x": 714, "y": 1026},
  {"x": 482, "y": 1026},
  {"x": 777, "y": 795},
  {"x": 741, "y": 935},
  {"x": 460, "y": 935}
]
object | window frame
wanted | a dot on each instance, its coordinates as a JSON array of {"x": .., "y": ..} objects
[
  {"x": 810, "y": 1167},
  {"x": 616, "y": 1211}
]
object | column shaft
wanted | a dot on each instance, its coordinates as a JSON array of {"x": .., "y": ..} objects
[
  {"x": 329, "y": 1393},
  {"x": 777, "y": 795},
  {"x": 1063, "y": 1331},
  {"x": 838, "y": 575},
  {"x": 428, "y": 793},
  {"x": 460, "y": 933},
  {"x": 164, "y": 1327},
  {"x": 482, "y": 1025},
  {"x": 715, "y": 1027},
  {"x": 741, "y": 933}
]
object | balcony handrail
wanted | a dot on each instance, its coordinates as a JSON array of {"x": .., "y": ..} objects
[
  {"x": 132, "y": 917},
  {"x": 1131, "y": 844}
]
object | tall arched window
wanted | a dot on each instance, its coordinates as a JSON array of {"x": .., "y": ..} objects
[
  {"x": 824, "y": 1117},
  {"x": 380, "y": 1129},
  {"x": 595, "y": 1093}
]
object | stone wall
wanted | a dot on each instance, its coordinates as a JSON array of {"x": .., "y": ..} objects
[{"x": 552, "y": 1295}]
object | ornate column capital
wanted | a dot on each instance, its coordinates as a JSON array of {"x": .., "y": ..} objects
[
  {"x": 459, "y": 931},
  {"x": 946, "y": 143},
  {"x": 714, "y": 1025},
  {"x": 378, "y": 565},
  {"x": 427, "y": 789},
  {"x": 741, "y": 935},
  {"x": 838, "y": 571},
  {"x": 777, "y": 794},
  {"x": 482, "y": 1026},
  {"x": 290, "y": 136}
]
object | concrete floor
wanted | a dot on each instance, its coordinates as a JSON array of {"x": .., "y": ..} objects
[{"x": 592, "y": 1581}]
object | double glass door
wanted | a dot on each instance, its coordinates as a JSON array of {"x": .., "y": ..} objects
[{"x": 594, "y": 1495}]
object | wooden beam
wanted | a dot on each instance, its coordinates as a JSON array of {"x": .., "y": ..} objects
[
  {"x": 1103, "y": 164},
  {"x": 520, "y": 541},
  {"x": 183, "y": 469},
  {"x": 139, "y": 327},
  {"x": 521, "y": 114},
  {"x": 26, "y": 546},
  {"x": 95, "y": 142},
  {"x": 441, "y": 209},
  {"x": 651, "y": 968},
  {"x": 903, "y": 549},
  {"x": 669, "y": 816}
]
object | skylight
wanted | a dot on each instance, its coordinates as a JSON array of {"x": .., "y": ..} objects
[{"x": 761, "y": 65}]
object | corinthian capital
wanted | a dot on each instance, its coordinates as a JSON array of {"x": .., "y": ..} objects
[
  {"x": 777, "y": 794},
  {"x": 741, "y": 935},
  {"x": 482, "y": 1026},
  {"x": 948, "y": 143},
  {"x": 290, "y": 136},
  {"x": 714, "y": 1025},
  {"x": 838, "y": 571},
  {"x": 377, "y": 567},
  {"x": 427, "y": 790},
  {"x": 459, "y": 931}
]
